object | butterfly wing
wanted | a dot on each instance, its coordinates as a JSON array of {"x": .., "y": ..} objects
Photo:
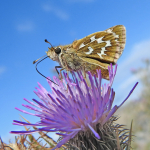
[{"x": 102, "y": 48}]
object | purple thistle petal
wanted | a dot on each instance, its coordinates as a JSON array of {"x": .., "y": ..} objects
[
  {"x": 113, "y": 110},
  {"x": 31, "y": 103},
  {"x": 25, "y": 111},
  {"x": 25, "y": 123},
  {"x": 129, "y": 94},
  {"x": 24, "y": 132},
  {"x": 95, "y": 133}
]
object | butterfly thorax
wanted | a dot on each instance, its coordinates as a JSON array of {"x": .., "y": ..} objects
[{"x": 70, "y": 61}]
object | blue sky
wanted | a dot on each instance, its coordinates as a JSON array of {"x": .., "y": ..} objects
[{"x": 25, "y": 25}]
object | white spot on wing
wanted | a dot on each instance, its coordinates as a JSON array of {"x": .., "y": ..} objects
[
  {"x": 92, "y": 38},
  {"x": 90, "y": 50},
  {"x": 116, "y": 36},
  {"x": 102, "y": 52},
  {"x": 109, "y": 31},
  {"x": 108, "y": 43},
  {"x": 99, "y": 40},
  {"x": 82, "y": 45}
]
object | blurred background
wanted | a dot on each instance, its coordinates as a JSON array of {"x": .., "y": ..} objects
[{"x": 25, "y": 24}]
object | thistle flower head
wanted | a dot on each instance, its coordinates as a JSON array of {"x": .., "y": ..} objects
[{"x": 74, "y": 109}]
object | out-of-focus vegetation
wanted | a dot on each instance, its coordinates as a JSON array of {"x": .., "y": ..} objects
[
  {"x": 139, "y": 111},
  {"x": 29, "y": 142}
]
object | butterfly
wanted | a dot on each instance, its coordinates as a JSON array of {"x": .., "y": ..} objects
[{"x": 95, "y": 51}]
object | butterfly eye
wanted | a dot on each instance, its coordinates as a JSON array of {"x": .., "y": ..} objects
[{"x": 58, "y": 50}]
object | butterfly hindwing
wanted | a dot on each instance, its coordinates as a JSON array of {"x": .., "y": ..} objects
[{"x": 93, "y": 65}]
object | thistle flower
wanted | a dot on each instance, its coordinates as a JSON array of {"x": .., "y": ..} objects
[{"x": 81, "y": 114}]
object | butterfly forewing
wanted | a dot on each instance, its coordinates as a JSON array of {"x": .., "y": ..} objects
[
  {"x": 105, "y": 46},
  {"x": 102, "y": 48},
  {"x": 121, "y": 31}
]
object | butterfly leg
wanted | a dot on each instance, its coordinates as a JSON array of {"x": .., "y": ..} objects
[
  {"x": 60, "y": 74},
  {"x": 61, "y": 77},
  {"x": 56, "y": 69},
  {"x": 84, "y": 74}
]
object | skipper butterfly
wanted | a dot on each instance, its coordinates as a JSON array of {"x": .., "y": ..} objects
[{"x": 95, "y": 51}]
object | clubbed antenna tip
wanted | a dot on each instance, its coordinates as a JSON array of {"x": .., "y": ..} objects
[
  {"x": 34, "y": 61},
  {"x": 48, "y": 42}
]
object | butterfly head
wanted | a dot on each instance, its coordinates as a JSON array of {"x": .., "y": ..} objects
[{"x": 53, "y": 53}]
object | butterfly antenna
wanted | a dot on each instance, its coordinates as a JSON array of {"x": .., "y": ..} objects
[
  {"x": 38, "y": 59},
  {"x": 49, "y": 43},
  {"x": 40, "y": 72}
]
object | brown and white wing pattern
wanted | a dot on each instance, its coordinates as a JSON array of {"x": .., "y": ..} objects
[
  {"x": 102, "y": 48},
  {"x": 106, "y": 46}
]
